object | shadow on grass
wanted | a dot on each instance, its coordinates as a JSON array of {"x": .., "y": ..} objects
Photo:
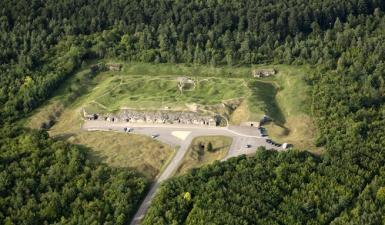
[
  {"x": 95, "y": 159},
  {"x": 63, "y": 137},
  {"x": 286, "y": 131},
  {"x": 201, "y": 150},
  {"x": 263, "y": 98},
  {"x": 98, "y": 158}
]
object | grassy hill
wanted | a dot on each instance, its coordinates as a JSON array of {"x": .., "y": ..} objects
[{"x": 147, "y": 92}]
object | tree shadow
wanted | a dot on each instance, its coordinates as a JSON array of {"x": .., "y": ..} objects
[
  {"x": 265, "y": 95},
  {"x": 64, "y": 136},
  {"x": 286, "y": 130},
  {"x": 220, "y": 147},
  {"x": 96, "y": 157}
]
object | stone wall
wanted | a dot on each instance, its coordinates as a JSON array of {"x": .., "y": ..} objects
[
  {"x": 158, "y": 117},
  {"x": 263, "y": 72}
]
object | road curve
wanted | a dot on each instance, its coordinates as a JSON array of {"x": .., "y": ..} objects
[{"x": 242, "y": 136}]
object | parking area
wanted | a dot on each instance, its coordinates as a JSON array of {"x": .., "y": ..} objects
[{"x": 246, "y": 140}]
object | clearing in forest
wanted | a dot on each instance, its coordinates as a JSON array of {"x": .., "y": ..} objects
[{"x": 229, "y": 91}]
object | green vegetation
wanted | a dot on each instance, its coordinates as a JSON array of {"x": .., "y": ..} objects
[
  {"x": 141, "y": 153},
  {"x": 262, "y": 101},
  {"x": 51, "y": 182},
  {"x": 338, "y": 187},
  {"x": 203, "y": 151},
  {"x": 290, "y": 107},
  {"x": 222, "y": 193},
  {"x": 180, "y": 69},
  {"x": 369, "y": 207},
  {"x": 284, "y": 97},
  {"x": 43, "y": 43},
  {"x": 145, "y": 92}
]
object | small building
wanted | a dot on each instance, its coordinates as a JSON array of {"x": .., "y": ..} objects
[
  {"x": 212, "y": 122},
  {"x": 89, "y": 116},
  {"x": 114, "y": 66},
  {"x": 185, "y": 83},
  {"x": 263, "y": 72}
]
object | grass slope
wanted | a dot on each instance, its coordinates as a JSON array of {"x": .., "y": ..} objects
[
  {"x": 126, "y": 150},
  {"x": 293, "y": 119},
  {"x": 146, "y": 92},
  {"x": 192, "y": 70}
]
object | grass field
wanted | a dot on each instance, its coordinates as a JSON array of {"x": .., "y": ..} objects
[
  {"x": 146, "y": 92},
  {"x": 198, "y": 154},
  {"x": 125, "y": 150}
]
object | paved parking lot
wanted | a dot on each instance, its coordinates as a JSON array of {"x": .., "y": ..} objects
[{"x": 246, "y": 140}]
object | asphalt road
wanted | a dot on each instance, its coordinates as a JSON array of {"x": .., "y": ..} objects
[{"x": 242, "y": 136}]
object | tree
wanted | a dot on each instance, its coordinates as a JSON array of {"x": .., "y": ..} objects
[
  {"x": 381, "y": 194},
  {"x": 210, "y": 147}
]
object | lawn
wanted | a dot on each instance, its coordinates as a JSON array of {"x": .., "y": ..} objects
[{"x": 199, "y": 153}]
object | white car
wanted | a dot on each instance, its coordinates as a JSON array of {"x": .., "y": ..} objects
[
  {"x": 155, "y": 135},
  {"x": 128, "y": 129}
]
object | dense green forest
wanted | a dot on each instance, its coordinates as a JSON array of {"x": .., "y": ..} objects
[
  {"x": 214, "y": 32},
  {"x": 43, "y": 181},
  {"x": 44, "y": 42}
]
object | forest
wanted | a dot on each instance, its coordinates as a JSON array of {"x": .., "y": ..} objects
[
  {"x": 44, "y": 181},
  {"x": 43, "y": 42}
]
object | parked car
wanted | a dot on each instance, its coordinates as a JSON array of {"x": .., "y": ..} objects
[
  {"x": 155, "y": 135},
  {"x": 247, "y": 146},
  {"x": 128, "y": 129}
]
